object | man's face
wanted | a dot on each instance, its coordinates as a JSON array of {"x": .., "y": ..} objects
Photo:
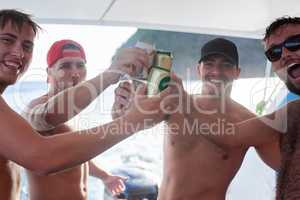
[
  {"x": 67, "y": 72},
  {"x": 16, "y": 47},
  {"x": 217, "y": 73},
  {"x": 288, "y": 66}
]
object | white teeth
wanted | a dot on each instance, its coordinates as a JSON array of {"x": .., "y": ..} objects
[
  {"x": 292, "y": 64},
  {"x": 216, "y": 81},
  {"x": 12, "y": 64}
]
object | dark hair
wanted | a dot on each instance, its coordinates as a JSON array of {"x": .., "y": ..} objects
[
  {"x": 17, "y": 19},
  {"x": 274, "y": 26}
]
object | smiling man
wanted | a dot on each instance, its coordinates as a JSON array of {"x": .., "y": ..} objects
[
  {"x": 20, "y": 143},
  {"x": 213, "y": 159},
  {"x": 276, "y": 135},
  {"x": 282, "y": 44},
  {"x": 195, "y": 167},
  {"x": 14, "y": 60},
  {"x": 66, "y": 68}
]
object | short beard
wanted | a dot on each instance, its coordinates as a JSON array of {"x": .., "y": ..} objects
[{"x": 292, "y": 88}]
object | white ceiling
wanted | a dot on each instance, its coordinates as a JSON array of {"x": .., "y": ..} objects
[{"x": 242, "y": 18}]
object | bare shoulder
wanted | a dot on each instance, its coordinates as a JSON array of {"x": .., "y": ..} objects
[
  {"x": 290, "y": 111},
  {"x": 7, "y": 115},
  {"x": 3, "y": 105}
]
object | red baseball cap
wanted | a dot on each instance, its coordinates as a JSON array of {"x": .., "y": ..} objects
[{"x": 64, "y": 48}]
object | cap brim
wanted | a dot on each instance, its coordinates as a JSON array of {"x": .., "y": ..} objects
[{"x": 218, "y": 53}]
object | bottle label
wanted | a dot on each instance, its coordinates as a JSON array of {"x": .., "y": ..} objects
[{"x": 158, "y": 81}]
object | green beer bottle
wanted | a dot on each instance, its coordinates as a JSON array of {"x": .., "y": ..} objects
[{"x": 159, "y": 75}]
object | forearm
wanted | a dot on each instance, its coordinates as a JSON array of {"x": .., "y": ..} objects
[
  {"x": 83, "y": 145},
  {"x": 252, "y": 132},
  {"x": 44, "y": 155},
  {"x": 68, "y": 103},
  {"x": 200, "y": 125},
  {"x": 96, "y": 171},
  {"x": 21, "y": 144}
]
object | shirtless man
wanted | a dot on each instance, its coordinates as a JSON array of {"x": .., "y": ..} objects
[
  {"x": 280, "y": 136},
  {"x": 276, "y": 135},
  {"x": 282, "y": 44},
  {"x": 194, "y": 167},
  {"x": 20, "y": 143},
  {"x": 66, "y": 68}
]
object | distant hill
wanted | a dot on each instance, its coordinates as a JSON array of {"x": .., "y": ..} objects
[{"x": 186, "y": 50}]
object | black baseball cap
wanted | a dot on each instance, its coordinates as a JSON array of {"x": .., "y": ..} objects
[{"x": 220, "y": 46}]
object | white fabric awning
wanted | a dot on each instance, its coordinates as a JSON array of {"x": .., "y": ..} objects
[{"x": 231, "y": 17}]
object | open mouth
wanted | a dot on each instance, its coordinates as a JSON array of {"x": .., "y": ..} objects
[
  {"x": 73, "y": 84},
  {"x": 13, "y": 66},
  {"x": 294, "y": 70},
  {"x": 216, "y": 81}
]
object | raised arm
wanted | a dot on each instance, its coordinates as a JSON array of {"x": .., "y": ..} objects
[
  {"x": 68, "y": 103},
  {"x": 263, "y": 133},
  {"x": 21, "y": 144},
  {"x": 255, "y": 132}
]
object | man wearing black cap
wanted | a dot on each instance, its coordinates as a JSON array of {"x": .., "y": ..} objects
[
  {"x": 218, "y": 67},
  {"x": 195, "y": 167}
]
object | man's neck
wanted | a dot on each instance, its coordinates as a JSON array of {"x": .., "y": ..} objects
[
  {"x": 215, "y": 101},
  {"x": 2, "y": 88},
  {"x": 222, "y": 93}
]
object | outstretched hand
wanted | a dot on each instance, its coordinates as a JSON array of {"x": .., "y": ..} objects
[{"x": 115, "y": 184}]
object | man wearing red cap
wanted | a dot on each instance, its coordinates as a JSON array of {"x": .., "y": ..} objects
[{"x": 66, "y": 68}]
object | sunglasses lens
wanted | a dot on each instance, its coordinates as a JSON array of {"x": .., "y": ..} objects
[
  {"x": 293, "y": 43},
  {"x": 274, "y": 53}
]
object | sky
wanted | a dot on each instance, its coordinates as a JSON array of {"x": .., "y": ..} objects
[{"x": 99, "y": 42}]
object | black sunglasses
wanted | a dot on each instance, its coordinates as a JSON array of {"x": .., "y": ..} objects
[{"x": 292, "y": 44}]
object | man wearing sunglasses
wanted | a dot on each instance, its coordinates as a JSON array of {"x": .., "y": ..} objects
[
  {"x": 283, "y": 51},
  {"x": 277, "y": 135},
  {"x": 282, "y": 44}
]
